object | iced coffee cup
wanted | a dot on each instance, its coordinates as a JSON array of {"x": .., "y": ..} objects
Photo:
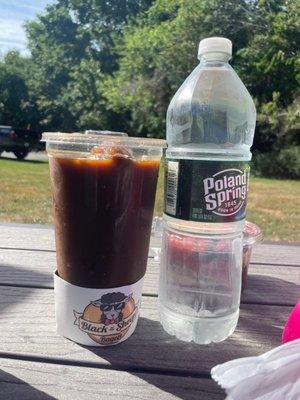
[{"x": 103, "y": 188}]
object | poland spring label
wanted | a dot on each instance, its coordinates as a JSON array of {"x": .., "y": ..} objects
[{"x": 206, "y": 191}]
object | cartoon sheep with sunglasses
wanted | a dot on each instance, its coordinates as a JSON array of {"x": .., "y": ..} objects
[{"x": 112, "y": 305}]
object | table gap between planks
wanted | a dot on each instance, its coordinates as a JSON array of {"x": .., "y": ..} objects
[{"x": 36, "y": 363}]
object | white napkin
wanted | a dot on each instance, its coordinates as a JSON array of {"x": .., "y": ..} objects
[{"x": 274, "y": 375}]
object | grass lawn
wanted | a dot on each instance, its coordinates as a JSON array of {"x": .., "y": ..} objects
[
  {"x": 25, "y": 198},
  {"x": 25, "y": 192}
]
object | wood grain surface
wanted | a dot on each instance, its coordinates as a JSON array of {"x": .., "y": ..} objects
[
  {"x": 23, "y": 380},
  {"x": 267, "y": 284},
  {"x": 27, "y": 327},
  {"x": 36, "y": 363},
  {"x": 42, "y": 238}
]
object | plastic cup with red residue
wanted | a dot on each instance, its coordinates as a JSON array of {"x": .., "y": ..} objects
[{"x": 252, "y": 235}]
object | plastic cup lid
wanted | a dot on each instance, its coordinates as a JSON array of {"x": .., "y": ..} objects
[
  {"x": 103, "y": 138},
  {"x": 251, "y": 233}
]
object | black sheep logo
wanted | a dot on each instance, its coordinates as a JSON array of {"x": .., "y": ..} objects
[{"x": 112, "y": 305}]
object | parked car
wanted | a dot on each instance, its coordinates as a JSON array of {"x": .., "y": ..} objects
[{"x": 19, "y": 141}]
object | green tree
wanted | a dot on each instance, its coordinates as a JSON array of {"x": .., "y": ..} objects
[
  {"x": 104, "y": 21},
  {"x": 71, "y": 48},
  {"x": 270, "y": 67},
  {"x": 17, "y": 106},
  {"x": 157, "y": 54},
  {"x": 57, "y": 45},
  {"x": 117, "y": 63}
]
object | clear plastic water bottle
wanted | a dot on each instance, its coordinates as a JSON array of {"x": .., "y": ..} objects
[{"x": 210, "y": 129}]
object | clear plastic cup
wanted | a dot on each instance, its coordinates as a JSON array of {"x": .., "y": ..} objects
[
  {"x": 252, "y": 235},
  {"x": 200, "y": 282},
  {"x": 103, "y": 188}
]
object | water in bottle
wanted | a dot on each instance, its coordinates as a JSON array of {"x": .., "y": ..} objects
[{"x": 210, "y": 129}]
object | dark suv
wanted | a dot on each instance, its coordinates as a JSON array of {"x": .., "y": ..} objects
[{"x": 19, "y": 141}]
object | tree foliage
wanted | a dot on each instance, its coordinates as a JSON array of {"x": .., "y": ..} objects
[
  {"x": 159, "y": 53},
  {"x": 115, "y": 64},
  {"x": 72, "y": 49},
  {"x": 17, "y": 105}
]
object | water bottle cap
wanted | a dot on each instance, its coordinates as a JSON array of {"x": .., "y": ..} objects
[{"x": 215, "y": 45}]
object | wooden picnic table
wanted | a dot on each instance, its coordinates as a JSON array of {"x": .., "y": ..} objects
[{"x": 37, "y": 363}]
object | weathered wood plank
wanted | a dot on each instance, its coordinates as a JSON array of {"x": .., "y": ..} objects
[
  {"x": 266, "y": 284},
  {"x": 276, "y": 254},
  {"x": 22, "y": 267},
  {"x": 34, "y": 381},
  {"x": 27, "y": 237},
  {"x": 27, "y": 327},
  {"x": 39, "y": 238}
]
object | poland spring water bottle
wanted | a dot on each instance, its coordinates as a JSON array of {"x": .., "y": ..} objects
[{"x": 210, "y": 128}]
